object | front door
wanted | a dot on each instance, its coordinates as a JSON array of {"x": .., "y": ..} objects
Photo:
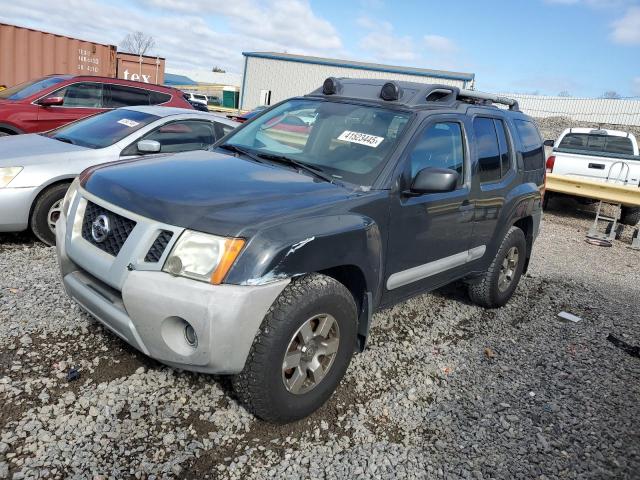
[
  {"x": 79, "y": 100},
  {"x": 430, "y": 234}
]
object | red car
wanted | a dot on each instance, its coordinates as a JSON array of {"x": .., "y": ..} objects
[{"x": 55, "y": 100}]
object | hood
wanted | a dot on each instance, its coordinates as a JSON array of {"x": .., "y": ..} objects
[
  {"x": 31, "y": 149},
  {"x": 209, "y": 191}
]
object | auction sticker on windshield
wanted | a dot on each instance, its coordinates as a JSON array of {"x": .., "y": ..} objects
[
  {"x": 360, "y": 138},
  {"x": 128, "y": 123}
]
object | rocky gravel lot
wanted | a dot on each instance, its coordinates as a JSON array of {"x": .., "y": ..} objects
[{"x": 445, "y": 389}]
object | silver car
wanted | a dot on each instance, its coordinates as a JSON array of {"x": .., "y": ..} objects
[{"x": 36, "y": 169}]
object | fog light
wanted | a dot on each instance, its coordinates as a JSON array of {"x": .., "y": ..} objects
[
  {"x": 190, "y": 335},
  {"x": 173, "y": 265}
]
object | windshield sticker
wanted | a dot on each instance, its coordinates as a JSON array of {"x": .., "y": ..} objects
[
  {"x": 361, "y": 138},
  {"x": 128, "y": 123}
]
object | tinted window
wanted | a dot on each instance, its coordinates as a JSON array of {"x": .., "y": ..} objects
[
  {"x": 597, "y": 143},
  {"x": 488, "y": 149},
  {"x": 156, "y": 98},
  {"x": 27, "y": 89},
  {"x": 440, "y": 146},
  {"x": 503, "y": 144},
  {"x": 123, "y": 96},
  {"x": 183, "y": 136},
  {"x": 80, "y": 95},
  {"x": 102, "y": 130},
  {"x": 528, "y": 133}
]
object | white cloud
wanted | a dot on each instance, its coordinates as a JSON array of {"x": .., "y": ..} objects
[
  {"x": 626, "y": 30},
  {"x": 183, "y": 29},
  {"x": 439, "y": 45},
  {"x": 383, "y": 44}
]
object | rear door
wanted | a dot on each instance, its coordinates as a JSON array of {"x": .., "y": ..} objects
[
  {"x": 429, "y": 234},
  {"x": 495, "y": 175},
  {"x": 79, "y": 100}
]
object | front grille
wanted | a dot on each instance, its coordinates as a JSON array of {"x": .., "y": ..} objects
[
  {"x": 157, "y": 249},
  {"x": 118, "y": 232}
]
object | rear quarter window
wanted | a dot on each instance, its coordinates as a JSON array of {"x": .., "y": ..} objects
[
  {"x": 156, "y": 98},
  {"x": 532, "y": 148}
]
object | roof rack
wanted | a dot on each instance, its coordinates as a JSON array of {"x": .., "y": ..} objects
[{"x": 472, "y": 94}]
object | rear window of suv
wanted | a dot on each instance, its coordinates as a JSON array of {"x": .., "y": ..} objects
[{"x": 597, "y": 143}]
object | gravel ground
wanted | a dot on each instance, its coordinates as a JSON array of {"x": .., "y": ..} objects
[{"x": 445, "y": 389}]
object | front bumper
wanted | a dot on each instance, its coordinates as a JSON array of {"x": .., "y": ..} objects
[
  {"x": 15, "y": 204},
  {"x": 151, "y": 309}
]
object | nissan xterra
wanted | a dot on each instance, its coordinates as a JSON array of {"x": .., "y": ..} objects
[{"x": 266, "y": 257}]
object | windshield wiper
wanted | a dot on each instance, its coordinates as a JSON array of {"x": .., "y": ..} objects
[
  {"x": 65, "y": 140},
  {"x": 312, "y": 169},
  {"x": 241, "y": 151}
]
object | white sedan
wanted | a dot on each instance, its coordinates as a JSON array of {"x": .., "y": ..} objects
[{"x": 36, "y": 169}]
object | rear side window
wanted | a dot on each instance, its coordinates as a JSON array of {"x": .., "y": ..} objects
[
  {"x": 503, "y": 143},
  {"x": 532, "y": 148},
  {"x": 156, "y": 98},
  {"x": 123, "y": 96},
  {"x": 597, "y": 143},
  {"x": 440, "y": 146},
  {"x": 490, "y": 168},
  {"x": 528, "y": 133}
]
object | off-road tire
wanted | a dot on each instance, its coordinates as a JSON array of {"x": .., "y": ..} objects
[
  {"x": 39, "y": 222},
  {"x": 485, "y": 292},
  {"x": 260, "y": 386},
  {"x": 630, "y": 216}
]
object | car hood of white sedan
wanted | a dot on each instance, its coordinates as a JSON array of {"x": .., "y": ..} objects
[{"x": 32, "y": 149}]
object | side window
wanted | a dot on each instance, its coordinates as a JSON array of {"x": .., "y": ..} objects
[
  {"x": 532, "y": 148},
  {"x": 222, "y": 129},
  {"x": 440, "y": 146},
  {"x": 183, "y": 136},
  {"x": 156, "y": 98},
  {"x": 81, "y": 95},
  {"x": 488, "y": 150},
  {"x": 503, "y": 143},
  {"x": 123, "y": 96}
]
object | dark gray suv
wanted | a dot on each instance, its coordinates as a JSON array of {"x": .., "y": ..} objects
[{"x": 266, "y": 257}]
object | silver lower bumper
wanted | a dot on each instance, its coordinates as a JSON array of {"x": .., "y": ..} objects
[{"x": 151, "y": 310}]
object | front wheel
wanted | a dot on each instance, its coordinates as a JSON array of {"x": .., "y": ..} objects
[
  {"x": 498, "y": 283},
  {"x": 46, "y": 212},
  {"x": 301, "y": 352}
]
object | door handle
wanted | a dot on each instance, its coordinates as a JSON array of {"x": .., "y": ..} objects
[{"x": 597, "y": 166}]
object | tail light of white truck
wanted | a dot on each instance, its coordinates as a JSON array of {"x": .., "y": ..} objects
[{"x": 550, "y": 163}]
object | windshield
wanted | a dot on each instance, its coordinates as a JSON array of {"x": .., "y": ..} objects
[
  {"x": 27, "y": 89},
  {"x": 347, "y": 141},
  {"x": 103, "y": 130}
]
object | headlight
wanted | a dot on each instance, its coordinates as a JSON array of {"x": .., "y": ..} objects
[
  {"x": 203, "y": 257},
  {"x": 7, "y": 174},
  {"x": 69, "y": 196}
]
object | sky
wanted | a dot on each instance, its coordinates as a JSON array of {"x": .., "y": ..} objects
[{"x": 582, "y": 47}]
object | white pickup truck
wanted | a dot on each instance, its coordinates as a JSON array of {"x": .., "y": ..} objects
[{"x": 598, "y": 154}]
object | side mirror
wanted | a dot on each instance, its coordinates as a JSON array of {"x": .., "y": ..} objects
[
  {"x": 51, "y": 101},
  {"x": 549, "y": 143},
  {"x": 434, "y": 180},
  {"x": 148, "y": 146}
]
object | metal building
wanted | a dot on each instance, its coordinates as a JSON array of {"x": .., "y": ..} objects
[{"x": 270, "y": 77}]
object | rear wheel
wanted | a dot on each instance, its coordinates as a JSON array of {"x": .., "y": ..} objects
[
  {"x": 46, "y": 211},
  {"x": 4, "y": 134},
  {"x": 301, "y": 351},
  {"x": 498, "y": 283},
  {"x": 630, "y": 216}
]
